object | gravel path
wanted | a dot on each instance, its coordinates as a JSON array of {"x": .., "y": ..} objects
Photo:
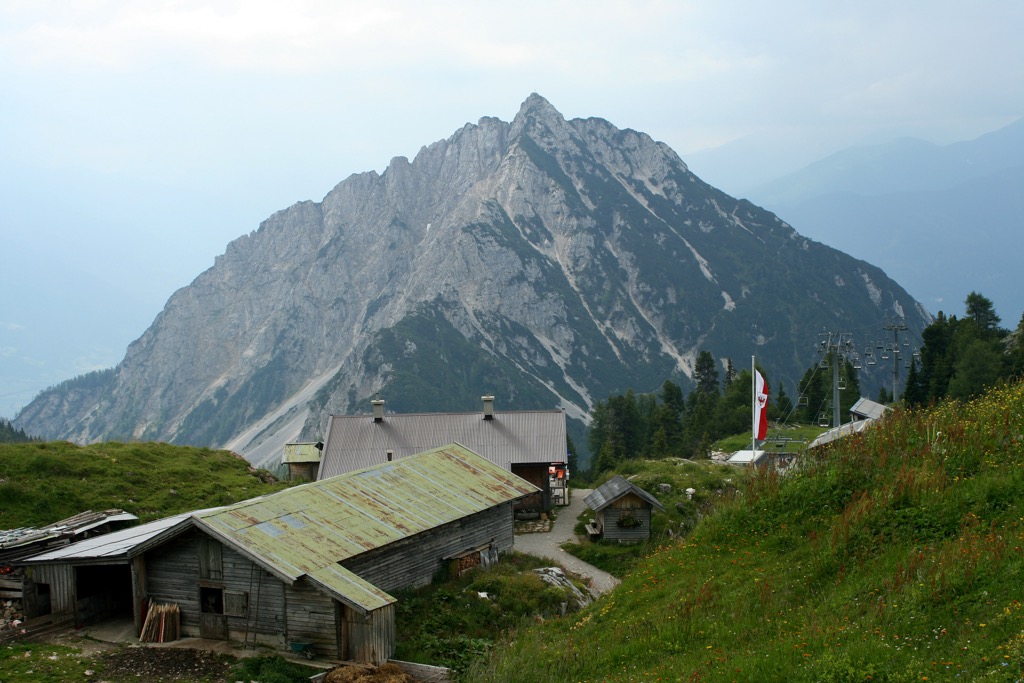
[{"x": 547, "y": 545}]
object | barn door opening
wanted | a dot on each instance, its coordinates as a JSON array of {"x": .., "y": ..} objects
[{"x": 103, "y": 592}]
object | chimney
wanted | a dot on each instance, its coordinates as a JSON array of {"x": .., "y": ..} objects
[
  {"x": 391, "y": 455},
  {"x": 378, "y": 409},
  {"x": 488, "y": 407}
]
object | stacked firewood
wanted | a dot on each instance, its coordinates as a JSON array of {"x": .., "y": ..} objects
[{"x": 162, "y": 625}]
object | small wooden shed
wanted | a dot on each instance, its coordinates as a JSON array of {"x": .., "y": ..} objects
[
  {"x": 310, "y": 566},
  {"x": 623, "y": 510},
  {"x": 302, "y": 460}
]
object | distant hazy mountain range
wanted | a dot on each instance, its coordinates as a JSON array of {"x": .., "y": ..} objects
[
  {"x": 551, "y": 263},
  {"x": 942, "y": 220}
]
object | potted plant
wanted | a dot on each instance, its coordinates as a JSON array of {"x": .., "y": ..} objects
[{"x": 629, "y": 520}]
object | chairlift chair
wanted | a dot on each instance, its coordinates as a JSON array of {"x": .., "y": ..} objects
[
  {"x": 823, "y": 419},
  {"x": 841, "y": 384},
  {"x": 801, "y": 402}
]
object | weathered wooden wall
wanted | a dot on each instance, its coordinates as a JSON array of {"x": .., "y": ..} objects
[
  {"x": 416, "y": 560},
  {"x": 370, "y": 637},
  {"x": 311, "y": 618},
  {"x": 629, "y": 503},
  {"x": 303, "y": 471},
  {"x": 277, "y": 614},
  {"x": 60, "y": 580},
  {"x": 266, "y": 615},
  {"x": 173, "y": 576}
]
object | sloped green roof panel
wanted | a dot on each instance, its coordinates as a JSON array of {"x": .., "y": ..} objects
[{"x": 350, "y": 589}]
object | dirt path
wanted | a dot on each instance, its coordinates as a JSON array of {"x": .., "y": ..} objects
[{"x": 547, "y": 545}]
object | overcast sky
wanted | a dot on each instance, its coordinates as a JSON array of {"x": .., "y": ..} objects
[{"x": 138, "y": 138}]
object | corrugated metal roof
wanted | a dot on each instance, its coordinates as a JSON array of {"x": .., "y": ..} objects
[
  {"x": 117, "y": 544},
  {"x": 613, "y": 489},
  {"x": 21, "y": 540},
  {"x": 513, "y": 437}
]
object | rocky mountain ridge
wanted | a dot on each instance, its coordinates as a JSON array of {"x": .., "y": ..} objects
[{"x": 546, "y": 261}]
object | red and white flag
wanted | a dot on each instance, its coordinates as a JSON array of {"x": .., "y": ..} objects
[{"x": 760, "y": 407}]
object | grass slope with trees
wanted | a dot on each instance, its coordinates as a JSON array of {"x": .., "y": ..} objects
[{"x": 895, "y": 555}]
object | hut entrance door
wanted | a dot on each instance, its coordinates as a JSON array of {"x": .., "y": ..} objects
[{"x": 213, "y": 623}]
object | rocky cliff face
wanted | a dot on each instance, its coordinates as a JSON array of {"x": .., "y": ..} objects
[{"x": 549, "y": 262}]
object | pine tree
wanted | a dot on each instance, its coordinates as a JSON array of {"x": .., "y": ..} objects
[
  {"x": 705, "y": 374},
  {"x": 730, "y": 373},
  {"x": 915, "y": 393},
  {"x": 782, "y": 407},
  {"x": 981, "y": 310}
]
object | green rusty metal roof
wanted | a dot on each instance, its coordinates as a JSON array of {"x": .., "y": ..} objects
[
  {"x": 300, "y": 453},
  {"x": 307, "y": 530}
]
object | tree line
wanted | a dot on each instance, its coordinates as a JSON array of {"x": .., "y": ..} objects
[
  {"x": 669, "y": 424},
  {"x": 11, "y": 434},
  {"x": 962, "y": 357},
  {"x": 959, "y": 358}
]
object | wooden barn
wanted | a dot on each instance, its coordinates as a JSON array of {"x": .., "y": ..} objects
[
  {"x": 307, "y": 567},
  {"x": 531, "y": 444},
  {"x": 623, "y": 510}
]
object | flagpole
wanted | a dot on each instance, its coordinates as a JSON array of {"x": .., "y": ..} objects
[{"x": 753, "y": 410}]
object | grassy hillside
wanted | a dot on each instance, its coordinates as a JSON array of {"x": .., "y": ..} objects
[
  {"x": 42, "y": 483},
  {"x": 894, "y": 556}
]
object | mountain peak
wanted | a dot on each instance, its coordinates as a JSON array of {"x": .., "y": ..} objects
[
  {"x": 535, "y": 109},
  {"x": 537, "y": 105}
]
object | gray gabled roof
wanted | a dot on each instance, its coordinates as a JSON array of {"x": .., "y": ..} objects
[
  {"x": 867, "y": 409},
  {"x": 511, "y": 438},
  {"x": 615, "y": 488}
]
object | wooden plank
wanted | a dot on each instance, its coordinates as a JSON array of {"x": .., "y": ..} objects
[
  {"x": 425, "y": 672},
  {"x": 10, "y": 595}
]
